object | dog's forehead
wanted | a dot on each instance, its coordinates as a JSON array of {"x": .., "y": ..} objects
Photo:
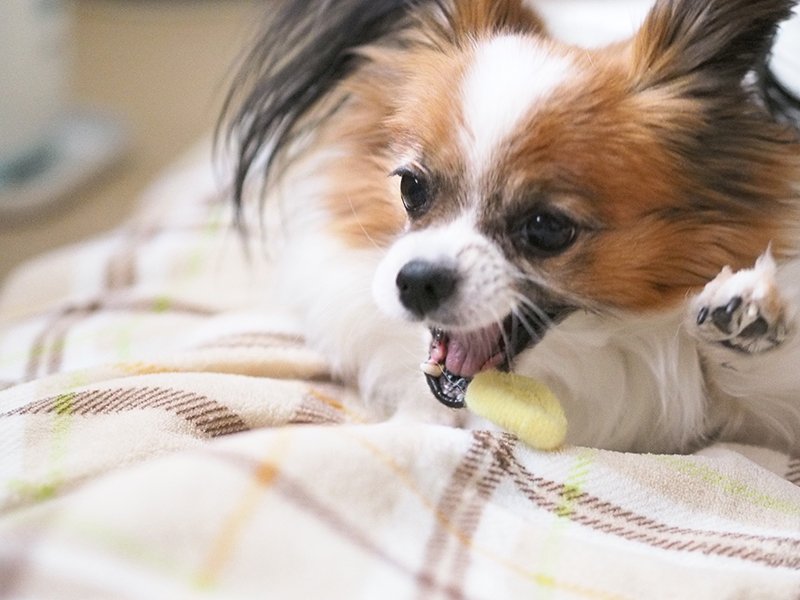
[{"x": 509, "y": 76}]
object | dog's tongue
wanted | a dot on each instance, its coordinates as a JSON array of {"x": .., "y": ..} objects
[{"x": 467, "y": 354}]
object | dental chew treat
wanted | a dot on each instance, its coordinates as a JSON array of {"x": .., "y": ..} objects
[{"x": 521, "y": 405}]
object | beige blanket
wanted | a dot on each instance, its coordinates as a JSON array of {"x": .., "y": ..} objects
[{"x": 164, "y": 434}]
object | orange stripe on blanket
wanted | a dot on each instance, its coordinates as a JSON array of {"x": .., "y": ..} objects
[{"x": 263, "y": 478}]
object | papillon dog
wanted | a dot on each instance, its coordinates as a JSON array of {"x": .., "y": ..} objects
[{"x": 457, "y": 188}]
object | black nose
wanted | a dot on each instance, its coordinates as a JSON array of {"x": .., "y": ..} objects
[{"x": 424, "y": 286}]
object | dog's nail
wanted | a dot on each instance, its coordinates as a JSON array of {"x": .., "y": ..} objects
[
  {"x": 702, "y": 315},
  {"x": 431, "y": 369}
]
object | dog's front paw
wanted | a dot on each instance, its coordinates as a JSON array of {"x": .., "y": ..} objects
[{"x": 743, "y": 310}]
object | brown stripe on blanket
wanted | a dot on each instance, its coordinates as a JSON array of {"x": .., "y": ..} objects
[
  {"x": 256, "y": 340},
  {"x": 12, "y": 571},
  {"x": 121, "y": 271},
  {"x": 600, "y": 515},
  {"x": 793, "y": 471},
  {"x": 48, "y": 346},
  {"x": 460, "y": 512},
  {"x": 4, "y": 385},
  {"x": 208, "y": 416},
  {"x": 318, "y": 409},
  {"x": 121, "y": 266},
  {"x": 156, "y": 305},
  {"x": 471, "y": 517},
  {"x": 303, "y": 498}
]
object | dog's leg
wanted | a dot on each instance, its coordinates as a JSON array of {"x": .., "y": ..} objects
[
  {"x": 745, "y": 323},
  {"x": 745, "y": 311}
]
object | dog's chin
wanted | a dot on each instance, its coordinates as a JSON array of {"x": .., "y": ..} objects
[{"x": 455, "y": 357}]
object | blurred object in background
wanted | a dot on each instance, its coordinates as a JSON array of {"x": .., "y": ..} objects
[
  {"x": 32, "y": 76},
  {"x": 783, "y": 77},
  {"x": 47, "y": 147},
  {"x": 161, "y": 67},
  {"x": 593, "y": 23},
  {"x": 786, "y": 55}
]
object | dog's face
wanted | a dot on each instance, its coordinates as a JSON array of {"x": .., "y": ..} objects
[{"x": 539, "y": 179}]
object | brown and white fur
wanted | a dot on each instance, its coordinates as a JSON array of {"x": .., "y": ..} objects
[{"x": 624, "y": 203}]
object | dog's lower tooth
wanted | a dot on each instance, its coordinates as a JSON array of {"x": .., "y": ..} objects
[{"x": 431, "y": 369}]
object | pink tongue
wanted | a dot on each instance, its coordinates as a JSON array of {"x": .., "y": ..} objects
[{"x": 469, "y": 353}]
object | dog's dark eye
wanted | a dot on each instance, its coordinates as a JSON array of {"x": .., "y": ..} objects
[
  {"x": 415, "y": 192},
  {"x": 550, "y": 233}
]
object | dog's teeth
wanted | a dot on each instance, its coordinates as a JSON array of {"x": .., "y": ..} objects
[{"x": 431, "y": 369}]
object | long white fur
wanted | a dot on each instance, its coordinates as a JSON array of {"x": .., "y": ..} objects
[{"x": 509, "y": 74}]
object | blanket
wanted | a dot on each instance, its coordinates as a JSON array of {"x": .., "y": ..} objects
[{"x": 166, "y": 433}]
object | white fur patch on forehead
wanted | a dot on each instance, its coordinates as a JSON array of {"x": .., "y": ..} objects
[{"x": 509, "y": 75}]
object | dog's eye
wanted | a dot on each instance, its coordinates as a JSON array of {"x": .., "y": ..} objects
[
  {"x": 415, "y": 192},
  {"x": 550, "y": 233}
]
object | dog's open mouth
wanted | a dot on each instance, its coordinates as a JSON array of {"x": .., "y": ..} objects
[{"x": 456, "y": 357}]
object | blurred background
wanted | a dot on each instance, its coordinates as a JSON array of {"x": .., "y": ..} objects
[{"x": 97, "y": 98}]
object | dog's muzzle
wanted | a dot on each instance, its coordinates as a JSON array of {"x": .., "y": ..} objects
[
  {"x": 498, "y": 346},
  {"x": 455, "y": 357}
]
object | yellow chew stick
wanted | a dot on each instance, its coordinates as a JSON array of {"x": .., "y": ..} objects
[{"x": 521, "y": 405}]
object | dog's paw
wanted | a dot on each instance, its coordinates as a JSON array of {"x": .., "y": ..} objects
[{"x": 743, "y": 310}]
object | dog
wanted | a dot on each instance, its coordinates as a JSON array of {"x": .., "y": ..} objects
[{"x": 457, "y": 188}]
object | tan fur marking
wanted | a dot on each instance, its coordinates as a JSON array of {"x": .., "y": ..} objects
[
  {"x": 671, "y": 212},
  {"x": 364, "y": 208}
]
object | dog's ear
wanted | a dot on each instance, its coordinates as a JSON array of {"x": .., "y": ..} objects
[
  {"x": 719, "y": 39},
  {"x": 475, "y": 17},
  {"x": 304, "y": 51}
]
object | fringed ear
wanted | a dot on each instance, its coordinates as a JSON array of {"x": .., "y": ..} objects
[
  {"x": 720, "y": 38},
  {"x": 308, "y": 47},
  {"x": 474, "y": 17}
]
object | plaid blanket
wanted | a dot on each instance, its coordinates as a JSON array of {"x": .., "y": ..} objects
[{"x": 164, "y": 433}]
